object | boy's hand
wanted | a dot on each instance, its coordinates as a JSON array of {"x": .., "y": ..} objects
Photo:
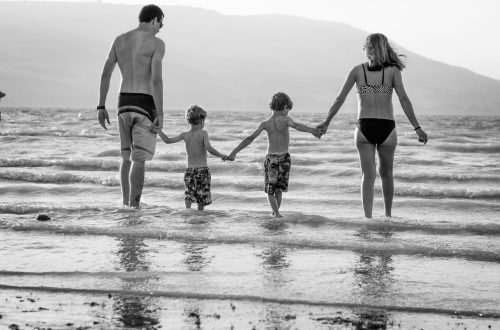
[
  {"x": 225, "y": 158},
  {"x": 231, "y": 157},
  {"x": 317, "y": 133},
  {"x": 323, "y": 127}
]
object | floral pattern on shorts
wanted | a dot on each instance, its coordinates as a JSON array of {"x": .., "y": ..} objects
[
  {"x": 276, "y": 172},
  {"x": 197, "y": 181}
]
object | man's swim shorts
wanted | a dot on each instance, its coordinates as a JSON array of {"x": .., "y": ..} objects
[
  {"x": 136, "y": 113},
  {"x": 197, "y": 181},
  {"x": 276, "y": 172}
]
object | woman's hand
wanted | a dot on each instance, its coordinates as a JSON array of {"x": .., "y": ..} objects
[{"x": 422, "y": 136}]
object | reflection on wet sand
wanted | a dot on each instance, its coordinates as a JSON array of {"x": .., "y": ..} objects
[
  {"x": 196, "y": 260},
  {"x": 374, "y": 279},
  {"x": 275, "y": 264},
  {"x": 131, "y": 310}
]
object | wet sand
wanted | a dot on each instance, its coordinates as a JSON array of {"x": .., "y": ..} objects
[{"x": 65, "y": 310}]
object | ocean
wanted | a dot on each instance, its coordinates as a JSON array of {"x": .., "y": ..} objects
[{"x": 97, "y": 265}]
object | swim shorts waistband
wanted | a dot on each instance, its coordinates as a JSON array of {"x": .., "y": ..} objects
[{"x": 135, "y": 102}]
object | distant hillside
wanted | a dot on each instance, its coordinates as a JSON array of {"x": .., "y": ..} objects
[{"x": 52, "y": 55}]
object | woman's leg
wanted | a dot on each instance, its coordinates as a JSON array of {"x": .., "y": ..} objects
[
  {"x": 366, "y": 152},
  {"x": 386, "y": 162}
]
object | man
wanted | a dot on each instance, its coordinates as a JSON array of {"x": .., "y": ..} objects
[{"x": 139, "y": 54}]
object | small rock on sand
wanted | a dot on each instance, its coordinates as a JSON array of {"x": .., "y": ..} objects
[{"x": 43, "y": 217}]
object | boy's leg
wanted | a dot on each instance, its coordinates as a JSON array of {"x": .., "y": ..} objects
[
  {"x": 201, "y": 207},
  {"x": 136, "y": 183},
  {"x": 188, "y": 204},
  {"x": 278, "y": 194},
  {"x": 274, "y": 205}
]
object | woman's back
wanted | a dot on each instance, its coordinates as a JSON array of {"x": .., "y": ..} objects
[{"x": 374, "y": 90}]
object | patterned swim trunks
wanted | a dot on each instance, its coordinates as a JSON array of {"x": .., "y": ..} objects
[
  {"x": 276, "y": 172},
  {"x": 197, "y": 182}
]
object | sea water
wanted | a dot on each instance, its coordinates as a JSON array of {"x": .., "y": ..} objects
[{"x": 439, "y": 254}]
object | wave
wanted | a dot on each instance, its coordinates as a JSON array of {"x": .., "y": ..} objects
[
  {"x": 52, "y": 133},
  {"x": 438, "y": 192},
  {"x": 65, "y": 178},
  {"x": 364, "y": 246},
  {"x": 44, "y": 208},
  {"x": 470, "y": 148},
  {"x": 448, "y": 176},
  {"x": 252, "y": 298}
]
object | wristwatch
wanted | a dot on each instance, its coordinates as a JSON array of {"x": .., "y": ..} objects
[{"x": 101, "y": 107}]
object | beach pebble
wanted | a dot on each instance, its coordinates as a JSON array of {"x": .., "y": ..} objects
[{"x": 43, "y": 217}]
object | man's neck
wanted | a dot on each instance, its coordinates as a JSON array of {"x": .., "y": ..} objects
[{"x": 145, "y": 27}]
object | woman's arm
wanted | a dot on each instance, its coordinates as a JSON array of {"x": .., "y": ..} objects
[
  {"x": 340, "y": 99},
  {"x": 407, "y": 106}
]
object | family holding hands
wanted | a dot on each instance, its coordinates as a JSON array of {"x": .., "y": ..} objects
[{"x": 139, "y": 54}]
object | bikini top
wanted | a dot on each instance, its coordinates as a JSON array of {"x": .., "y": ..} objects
[{"x": 382, "y": 89}]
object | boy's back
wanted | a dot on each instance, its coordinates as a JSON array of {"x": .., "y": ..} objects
[
  {"x": 278, "y": 135},
  {"x": 195, "y": 148}
]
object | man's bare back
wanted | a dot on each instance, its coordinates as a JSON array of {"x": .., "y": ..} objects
[{"x": 134, "y": 52}]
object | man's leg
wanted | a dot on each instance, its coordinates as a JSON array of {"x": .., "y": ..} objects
[
  {"x": 136, "y": 182},
  {"x": 124, "y": 177}
]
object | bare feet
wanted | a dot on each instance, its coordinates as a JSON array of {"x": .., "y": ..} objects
[{"x": 277, "y": 215}]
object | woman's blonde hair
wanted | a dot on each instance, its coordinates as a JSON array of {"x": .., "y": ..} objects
[{"x": 378, "y": 45}]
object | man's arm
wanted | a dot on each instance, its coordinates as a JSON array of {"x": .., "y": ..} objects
[
  {"x": 174, "y": 139},
  {"x": 246, "y": 141},
  {"x": 107, "y": 71},
  {"x": 211, "y": 149},
  {"x": 157, "y": 82}
]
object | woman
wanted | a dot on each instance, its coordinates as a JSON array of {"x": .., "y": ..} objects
[{"x": 375, "y": 131}]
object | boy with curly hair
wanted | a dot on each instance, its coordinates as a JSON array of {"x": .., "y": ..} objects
[
  {"x": 278, "y": 162},
  {"x": 197, "y": 176}
]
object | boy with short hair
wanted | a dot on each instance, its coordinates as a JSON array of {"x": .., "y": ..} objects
[
  {"x": 278, "y": 162},
  {"x": 197, "y": 175}
]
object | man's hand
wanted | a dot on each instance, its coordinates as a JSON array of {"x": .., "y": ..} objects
[
  {"x": 102, "y": 116},
  {"x": 157, "y": 124}
]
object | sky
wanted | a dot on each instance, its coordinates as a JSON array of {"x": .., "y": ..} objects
[{"x": 458, "y": 32}]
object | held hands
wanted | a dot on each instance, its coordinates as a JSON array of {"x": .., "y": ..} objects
[
  {"x": 157, "y": 124},
  {"x": 230, "y": 157},
  {"x": 102, "y": 116},
  {"x": 317, "y": 133},
  {"x": 422, "y": 136},
  {"x": 322, "y": 129}
]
